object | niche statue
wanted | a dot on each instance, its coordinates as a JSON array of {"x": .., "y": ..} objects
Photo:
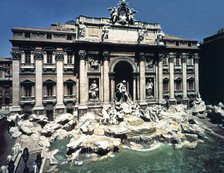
[
  {"x": 93, "y": 90},
  {"x": 122, "y": 94}
]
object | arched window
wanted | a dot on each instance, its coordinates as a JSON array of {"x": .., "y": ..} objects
[
  {"x": 165, "y": 85},
  {"x": 178, "y": 84},
  {"x": 49, "y": 87},
  {"x": 49, "y": 51},
  {"x": 69, "y": 52},
  {"x": 27, "y": 87},
  {"x": 69, "y": 85}
]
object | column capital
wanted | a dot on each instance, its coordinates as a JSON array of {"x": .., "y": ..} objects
[
  {"x": 184, "y": 57},
  {"x": 196, "y": 57},
  {"x": 142, "y": 56},
  {"x": 38, "y": 55},
  {"x": 105, "y": 55},
  {"x": 82, "y": 54},
  {"x": 171, "y": 57},
  {"x": 59, "y": 56},
  {"x": 16, "y": 55},
  {"x": 161, "y": 56}
]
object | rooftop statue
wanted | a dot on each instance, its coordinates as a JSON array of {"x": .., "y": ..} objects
[{"x": 122, "y": 14}]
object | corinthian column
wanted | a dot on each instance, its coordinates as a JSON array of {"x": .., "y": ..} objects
[
  {"x": 171, "y": 69},
  {"x": 106, "y": 82},
  {"x": 83, "y": 88},
  {"x": 16, "y": 56},
  {"x": 196, "y": 71},
  {"x": 59, "y": 57},
  {"x": 142, "y": 77}
]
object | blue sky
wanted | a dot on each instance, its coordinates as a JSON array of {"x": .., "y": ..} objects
[{"x": 193, "y": 19}]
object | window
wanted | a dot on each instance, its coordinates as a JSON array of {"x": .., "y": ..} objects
[
  {"x": 166, "y": 85},
  {"x": 49, "y": 90},
  {"x": 27, "y": 35},
  {"x": 177, "y": 61},
  {"x": 178, "y": 85},
  {"x": 28, "y": 91},
  {"x": 49, "y": 57},
  {"x": 69, "y": 89},
  {"x": 69, "y": 58},
  {"x": 190, "y": 61},
  {"x": 69, "y": 37},
  {"x": 27, "y": 58},
  {"x": 190, "y": 84},
  {"x": 49, "y": 36},
  {"x": 165, "y": 61}
]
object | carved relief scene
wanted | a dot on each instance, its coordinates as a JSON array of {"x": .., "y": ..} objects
[{"x": 93, "y": 63}]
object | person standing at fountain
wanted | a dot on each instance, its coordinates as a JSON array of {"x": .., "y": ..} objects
[{"x": 34, "y": 167}]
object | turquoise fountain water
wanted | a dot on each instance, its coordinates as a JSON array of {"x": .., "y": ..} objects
[{"x": 206, "y": 158}]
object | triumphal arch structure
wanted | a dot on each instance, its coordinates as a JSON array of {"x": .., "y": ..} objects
[{"x": 78, "y": 65}]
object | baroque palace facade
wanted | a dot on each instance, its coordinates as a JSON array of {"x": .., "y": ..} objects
[{"x": 78, "y": 65}]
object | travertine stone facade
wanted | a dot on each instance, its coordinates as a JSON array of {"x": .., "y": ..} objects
[{"x": 78, "y": 65}]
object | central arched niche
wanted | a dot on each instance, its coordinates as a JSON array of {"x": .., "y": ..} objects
[{"x": 124, "y": 71}]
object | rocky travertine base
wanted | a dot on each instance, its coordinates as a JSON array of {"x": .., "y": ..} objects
[{"x": 117, "y": 126}]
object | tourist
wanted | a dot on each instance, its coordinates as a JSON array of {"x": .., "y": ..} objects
[{"x": 34, "y": 167}]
